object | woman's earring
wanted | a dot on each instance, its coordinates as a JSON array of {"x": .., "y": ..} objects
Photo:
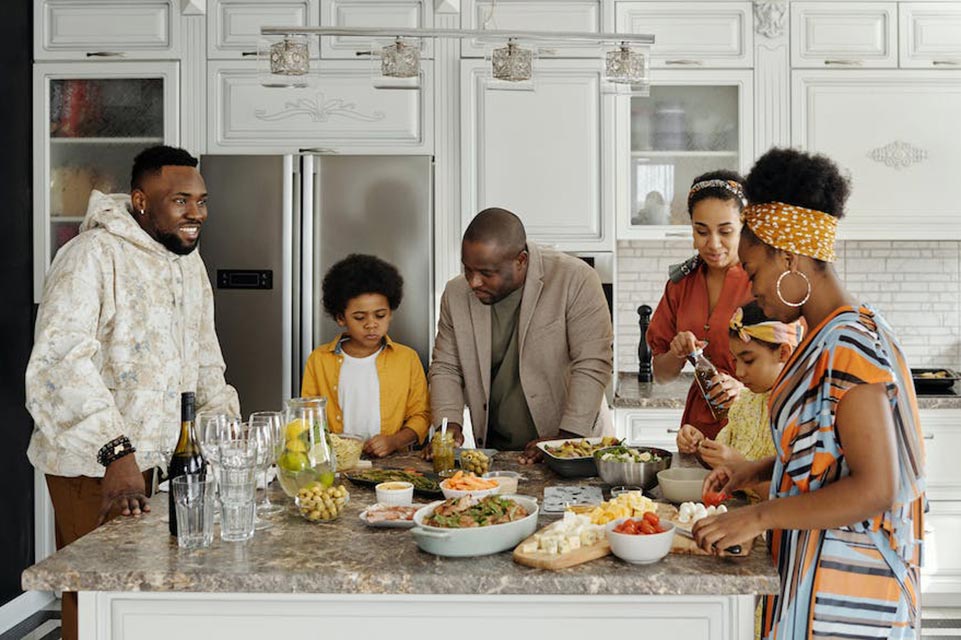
[
  {"x": 807, "y": 296},
  {"x": 141, "y": 212}
]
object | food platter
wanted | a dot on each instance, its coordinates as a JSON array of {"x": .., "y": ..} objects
[
  {"x": 576, "y": 466},
  {"x": 425, "y": 484},
  {"x": 400, "y": 523},
  {"x": 934, "y": 381}
]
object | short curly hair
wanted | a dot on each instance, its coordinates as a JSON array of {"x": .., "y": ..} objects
[
  {"x": 153, "y": 159},
  {"x": 808, "y": 180},
  {"x": 356, "y": 275},
  {"x": 720, "y": 193}
]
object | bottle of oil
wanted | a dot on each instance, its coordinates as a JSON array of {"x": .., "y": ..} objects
[
  {"x": 187, "y": 458},
  {"x": 704, "y": 374}
]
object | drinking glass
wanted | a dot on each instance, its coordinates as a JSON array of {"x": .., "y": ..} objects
[
  {"x": 274, "y": 421},
  {"x": 194, "y": 503},
  {"x": 257, "y": 434},
  {"x": 238, "y": 473},
  {"x": 212, "y": 428}
]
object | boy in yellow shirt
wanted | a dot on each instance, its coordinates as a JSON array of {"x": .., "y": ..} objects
[{"x": 375, "y": 387}]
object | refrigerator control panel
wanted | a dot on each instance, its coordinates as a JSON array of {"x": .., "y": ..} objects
[{"x": 245, "y": 279}]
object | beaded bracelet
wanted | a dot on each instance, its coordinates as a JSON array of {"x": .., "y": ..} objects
[{"x": 114, "y": 450}]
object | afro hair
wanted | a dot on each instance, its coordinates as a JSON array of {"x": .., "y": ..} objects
[{"x": 356, "y": 275}]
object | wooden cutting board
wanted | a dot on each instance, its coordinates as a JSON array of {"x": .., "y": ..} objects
[
  {"x": 557, "y": 561},
  {"x": 684, "y": 545}
]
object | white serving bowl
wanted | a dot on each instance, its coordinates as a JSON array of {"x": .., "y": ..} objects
[
  {"x": 682, "y": 484},
  {"x": 457, "y": 493},
  {"x": 640, "y": 549},
  {"x": 507, "y": 480},
  {"x": 394, "y": 493}
]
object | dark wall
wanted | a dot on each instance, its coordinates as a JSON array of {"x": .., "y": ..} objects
[{"x": 16, "y": 294}]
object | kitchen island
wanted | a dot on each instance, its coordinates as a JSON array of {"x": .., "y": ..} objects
[{"x": 299, "y": 579}]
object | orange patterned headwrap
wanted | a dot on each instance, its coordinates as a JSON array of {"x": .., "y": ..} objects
[
  {"x": 805, "y": 232},
  {"x": 772, "y": 331}
]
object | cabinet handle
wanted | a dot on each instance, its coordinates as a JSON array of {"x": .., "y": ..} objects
[
  {"x": 316, "y": 150},
  {"x": 248, "y": 54},
  {"x": 104, "y": 54},
  {"x": 929, "y": 436},
  {"x": 946, "y": 63},
  {"x": 684, "y": 63},
  {"x": 678, "y": 234},
  {"x": 843, "y": 63},
  {"x": 673, "y": 430}
]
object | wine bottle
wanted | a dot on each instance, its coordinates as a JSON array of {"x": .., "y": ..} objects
[{"x": 187, "y": 458}]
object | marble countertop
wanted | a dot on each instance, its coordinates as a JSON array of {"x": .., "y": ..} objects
[
  {"x": 295, "y": 556},
  {"x": 632, "y": 394}
]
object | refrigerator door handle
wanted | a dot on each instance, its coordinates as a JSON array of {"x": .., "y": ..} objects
[
  {"x": 287, "y": 276},
  {"x": 307, "y": 259}
]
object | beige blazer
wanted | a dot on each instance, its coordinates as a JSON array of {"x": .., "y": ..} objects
[{"x": 566, "y": 349}]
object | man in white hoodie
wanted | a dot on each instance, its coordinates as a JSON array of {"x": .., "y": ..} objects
[{"x": 125, "y": 325}]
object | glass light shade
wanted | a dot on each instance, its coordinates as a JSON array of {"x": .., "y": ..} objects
[
  {"x": 512, "y": 63},
  {"x": 625, "y": 65},
  {"x": 290, "y": 56},
  {"x": 400, "y": 60}
]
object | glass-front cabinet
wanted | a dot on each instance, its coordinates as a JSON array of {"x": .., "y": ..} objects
[
  {"x": 691, "y": 123},
  {"x": 96, "y": 117}
]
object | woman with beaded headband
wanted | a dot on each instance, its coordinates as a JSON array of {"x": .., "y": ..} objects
[
  {"x": 701, "y": 297},
  {"x": 845, "y": 518}
]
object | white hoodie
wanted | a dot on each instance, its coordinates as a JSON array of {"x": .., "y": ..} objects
[{"x": 124, "y": 327}]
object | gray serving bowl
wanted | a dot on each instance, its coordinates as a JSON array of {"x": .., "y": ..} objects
[
  {"x": 475, "y": 541},
  {"x": 642, "y": 474},
  {"x": 581, "y": 467}
]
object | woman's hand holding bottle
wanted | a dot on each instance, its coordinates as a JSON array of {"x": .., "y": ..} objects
[{"x": 684, "y": 344}]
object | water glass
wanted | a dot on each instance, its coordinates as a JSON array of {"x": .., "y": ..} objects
[
  {"x": 194, "y": 503},
  {"x": 273, "y": 424},
  {"x": 238, "y": 475}
]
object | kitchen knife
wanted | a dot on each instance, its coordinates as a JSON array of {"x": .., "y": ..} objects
[{"x": 734, "y": 550}]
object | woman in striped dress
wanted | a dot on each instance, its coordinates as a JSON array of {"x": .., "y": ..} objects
[{"x": 845, "y": 518}]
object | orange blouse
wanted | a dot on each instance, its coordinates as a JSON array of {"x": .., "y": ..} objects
[{"x": 684, "y": 307}]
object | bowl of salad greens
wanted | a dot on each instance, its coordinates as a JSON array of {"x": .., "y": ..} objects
[{"x": 631, "y": 465}]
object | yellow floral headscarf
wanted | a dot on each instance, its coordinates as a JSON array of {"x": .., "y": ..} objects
[
  {"x": 772, "y": 332},
  {"x": 805, "y": 232}
]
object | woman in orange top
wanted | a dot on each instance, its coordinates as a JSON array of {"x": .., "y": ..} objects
[
  {"x": 702, "y": 295},
  {"x": 375, "y": 387}
]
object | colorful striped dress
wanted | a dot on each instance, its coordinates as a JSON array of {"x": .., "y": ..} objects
[{"x": 861, "y": 580}]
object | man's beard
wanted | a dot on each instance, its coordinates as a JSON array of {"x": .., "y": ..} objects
[{"x": 173, "y": 243}]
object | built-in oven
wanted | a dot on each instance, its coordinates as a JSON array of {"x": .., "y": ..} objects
[{"x": 603, "y": 263}]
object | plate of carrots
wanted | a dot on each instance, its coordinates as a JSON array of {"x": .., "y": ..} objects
[{"x": 462, "y": 484}]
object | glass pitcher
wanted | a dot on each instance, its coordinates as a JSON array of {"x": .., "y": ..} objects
[{"x": 307, "y": 456}]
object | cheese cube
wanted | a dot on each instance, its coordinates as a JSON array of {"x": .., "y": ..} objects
[
  {"x": 529, "y": 547},
  {"x": 549, "y": 544},
  {"x": 574, "y": 542}
]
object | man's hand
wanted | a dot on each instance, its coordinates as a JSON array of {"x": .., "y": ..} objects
[
  {"x": 454, "y": 429},
  {"x": 532, "y": 452},
  {"x": 123, "y": 487},
  {"x": 688, "y": 438}
]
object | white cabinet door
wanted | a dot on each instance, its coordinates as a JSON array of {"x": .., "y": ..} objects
[
  {"x": 692, "y": 34},
  {"x": 844, "y": 34},
  {"x": 930, "y": 34},
  {"x": 531, "y": 15},
  {"x": 233, "y": 26},
  {"x": 341, "y": 111},
  {"x": 90, "y": 120},
  {"x": 543, "y": 154},
  {"x": 648, "y": 427},
  {"x": 942, "y": 441},
  {"x": 897, "y": 135},
  {"x": 941, "y": 574},
  {"x": 372, "y": 13},
  {"x": 114, "y": 29}
]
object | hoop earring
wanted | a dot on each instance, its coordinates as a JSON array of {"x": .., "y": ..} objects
[{"x": 807, "y": 296}]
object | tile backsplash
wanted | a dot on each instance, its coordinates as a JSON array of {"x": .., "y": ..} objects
[{"x": 916, "y": 285}]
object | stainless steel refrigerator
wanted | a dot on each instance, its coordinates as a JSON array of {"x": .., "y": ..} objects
[{"x": 276, "y": 224}]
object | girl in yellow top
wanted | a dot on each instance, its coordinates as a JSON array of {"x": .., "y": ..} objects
[
  {"x": 760, "y": 347},
  {"x": 375, "y": 387}
]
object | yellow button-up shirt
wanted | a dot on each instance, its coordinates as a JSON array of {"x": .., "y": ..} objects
[{"x": 403, "y": 387}]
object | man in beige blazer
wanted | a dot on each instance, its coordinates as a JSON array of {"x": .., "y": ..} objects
[{"x": 524, "y": 339}]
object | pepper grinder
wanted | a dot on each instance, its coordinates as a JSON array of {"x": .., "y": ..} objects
[{"x": 645, "y": 368}]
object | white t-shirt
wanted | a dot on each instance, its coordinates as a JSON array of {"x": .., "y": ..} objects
[{"x": 358, "y": 392}]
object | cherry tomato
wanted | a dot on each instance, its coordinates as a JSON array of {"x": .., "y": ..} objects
[
  {"x": 650, "y": 516},
  {"x": 714, "y": 498},
  {"x": 647, "y": 528}
]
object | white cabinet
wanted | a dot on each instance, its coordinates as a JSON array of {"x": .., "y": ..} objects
[
  {"x": 543, "y": 154},
  {"x": 844, "y": 34},
  {"x": 930, "y": 34},
  {"x": 90, "y": 120},
  {"x": 233, "y": 26},
  {"x": 372, "y": 13},
  {"x": 341, "y": 110},
  {"x": 648, "y": 427},
  {"x": 942, "y": 441},
  {"x": 692, "y": 34},
  {"x": 694, "y": 121},
  {"x": 941, "y": 574},
  {"x": 116, "y": 29},
  {"x": 531, "y": 15},
  {"x": 897, "y": 134}
]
